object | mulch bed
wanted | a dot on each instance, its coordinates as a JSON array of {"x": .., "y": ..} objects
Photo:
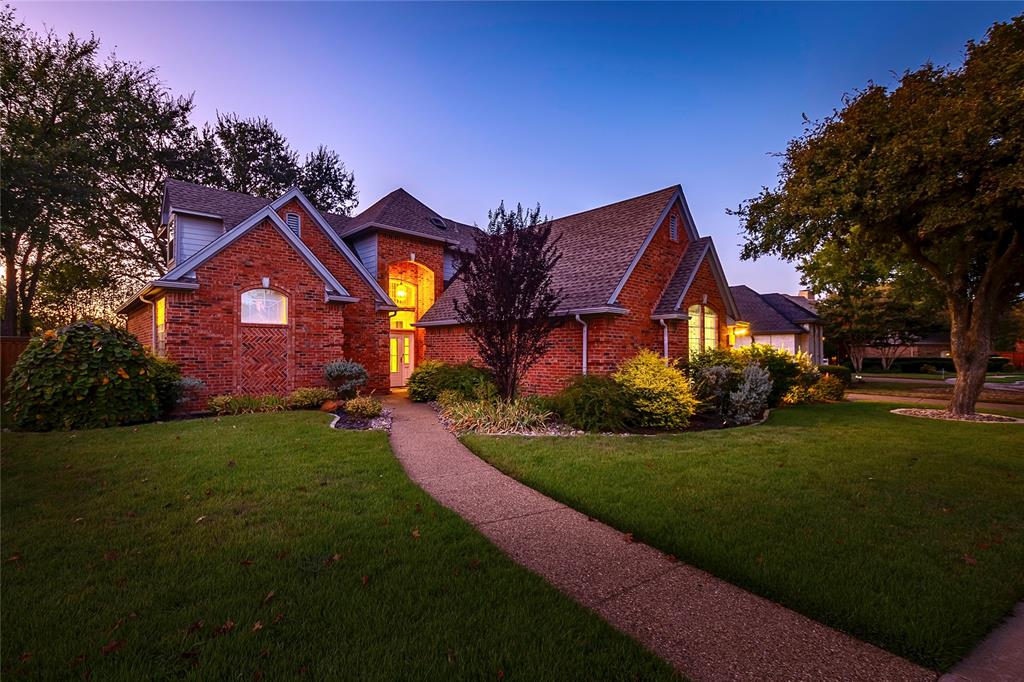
[
  {"x": 353, "y": 423},
  {"x": 946, "y": 415}
]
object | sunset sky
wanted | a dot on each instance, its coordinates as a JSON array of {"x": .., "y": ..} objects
[{"x": 571, "y": 106}]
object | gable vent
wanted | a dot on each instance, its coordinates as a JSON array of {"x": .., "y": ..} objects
[
  {"x": 294, "y": 223},
  {"x": 438, "y": 223},
  {"x": 673, "y": 228}
]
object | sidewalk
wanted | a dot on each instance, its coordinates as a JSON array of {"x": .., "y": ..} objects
[
  {"x": 913, "y": 400},
  {"x": 706, "y": 628}
]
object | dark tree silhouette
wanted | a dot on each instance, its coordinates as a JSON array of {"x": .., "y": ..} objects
[{"x": 510, "y": 300}]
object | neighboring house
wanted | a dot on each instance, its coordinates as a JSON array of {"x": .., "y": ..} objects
[
  {"x": 930, "y": 346},
  {"x": 259, "y": 294},
  {"x": 782, "y": 320}
]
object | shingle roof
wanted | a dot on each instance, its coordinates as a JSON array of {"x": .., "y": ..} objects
[
  {"x": 597, "y": 249},
  {"x": 770, "y": 313},
  {"x": 402, "y": 210},
  {"x": 398, "y": 209},
  {"x": 683, "y": 276}
]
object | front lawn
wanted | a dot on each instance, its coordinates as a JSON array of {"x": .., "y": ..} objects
[
  {"x": 908, "y": 533},
  {"x": 265, "y": 546}
]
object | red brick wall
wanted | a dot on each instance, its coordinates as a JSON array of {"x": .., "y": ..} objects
[
  {"x": 395, "y": 248},
  {"x": 612, "y": 339},
  {"x": 206, "y": 338},
  {"x": 366, "y": 329},
  {"x": 140, "y": 323}
]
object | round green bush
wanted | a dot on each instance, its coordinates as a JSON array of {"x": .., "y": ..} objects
[
  {"x": 86, "y": 375},
  {"x": 364, "y": 406},
  {"x": 841, "y": 372},
  {"x": 346, "y": 376},
  {"x": 596, "y": 404},
  {"x": 431, "y": 377},
  {"x": 659, "y": 394}
]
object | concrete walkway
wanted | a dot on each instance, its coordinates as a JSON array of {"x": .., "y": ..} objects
[
  {"x": 708, "y": 629},
  {"x": 991, "y": 385},
  {"x": 999, "y": 657},
  {"x": 937, "y": 402}
]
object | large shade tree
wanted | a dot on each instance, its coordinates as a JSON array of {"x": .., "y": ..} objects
[
  {"x": 86, "y": 145},
  {"x": 510, "y": 299},
  {"x": 930, "y": 174}
]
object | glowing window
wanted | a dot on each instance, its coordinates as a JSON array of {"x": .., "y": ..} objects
[
  {"x": 710, "y": 328},
  {"x": 394, "y": 354},
  {"x": 693, "y": 325},
  {"x": 160, "y": 342},
  {"x": 264, "y": 306}
]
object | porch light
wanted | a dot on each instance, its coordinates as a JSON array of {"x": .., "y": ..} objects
[{"x": 401, "y": 293}]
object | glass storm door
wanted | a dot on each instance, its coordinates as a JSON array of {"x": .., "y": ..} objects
[{"x": 402, "y": 349}]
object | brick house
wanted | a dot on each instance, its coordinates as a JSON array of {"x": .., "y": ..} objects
[{"x": 260, "y": 293}]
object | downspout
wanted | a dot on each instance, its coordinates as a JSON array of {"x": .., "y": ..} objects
[
  {"x": 152, "y": 321},
  {"x": 580, "y": 320},
  {"x": 664, "y": 339}
]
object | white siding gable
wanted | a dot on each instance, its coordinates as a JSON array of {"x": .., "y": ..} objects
[{"x": 366, "y": 251}]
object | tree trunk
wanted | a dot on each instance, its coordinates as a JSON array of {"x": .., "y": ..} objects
[{"x": 970, "y": 345}]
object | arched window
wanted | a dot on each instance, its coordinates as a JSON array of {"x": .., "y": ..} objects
[
  {"x": 694, "y": 324},
  {"x": 703, "y": 328},
  {"x": 710, "y": 328},
  {"x": 264, "y": 306}
]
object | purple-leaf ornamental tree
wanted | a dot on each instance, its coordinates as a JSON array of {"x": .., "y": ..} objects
[{"x": 510, "y": 300}]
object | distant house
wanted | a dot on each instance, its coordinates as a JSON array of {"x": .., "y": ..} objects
[
  {"x": 782, "y": 320},
  {"x": 930, "y": 346},
  {"x": 260, "y": 293}
]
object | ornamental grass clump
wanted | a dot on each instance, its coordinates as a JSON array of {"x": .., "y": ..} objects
[
  {"x": 247, "y": 404},
  {"x": 596, "y": 404},
  {"x": 659, "y": 394},
  {"x": 86, "y": 375},
  {"x": 520, "y": 415}
]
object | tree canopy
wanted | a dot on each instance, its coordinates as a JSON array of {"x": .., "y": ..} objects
[
  {"x": 87, "y": 145},
  {"x": 925, "y": 176}
]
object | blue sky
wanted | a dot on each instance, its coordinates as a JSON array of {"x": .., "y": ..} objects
[{"x": 568, "y": 105}]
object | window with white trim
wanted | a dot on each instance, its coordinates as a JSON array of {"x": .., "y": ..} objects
[
  {"x": 294, "y": 223},
  {"x": 702, "y": 327},
  {"x": 264, "y": 306},
  {"x": 673, "y": 228}
]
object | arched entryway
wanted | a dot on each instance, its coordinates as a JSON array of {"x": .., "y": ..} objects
[{"x": 411, "y": 287}]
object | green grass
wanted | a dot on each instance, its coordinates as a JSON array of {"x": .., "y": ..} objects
[
  {"x": 908, "y": 533},
  {"x": 136, "y": 536}
]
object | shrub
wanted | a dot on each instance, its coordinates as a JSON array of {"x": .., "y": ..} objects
[
  {"x": 929, "y": 369},
  {"x": 431, "y": 377},
  {"x": 1010, "y": 368},
  {"x": 712, "y": 385},
  {"x": 189, "y": 389},
  {"x": 496, "y": 416},
  {"x": 829, "y": 388},
  {"x": 448, "y": 397},
  {"x": 710, "y": 357},
  {"x": 593, "y": 403},
  {"x": 310, "y": 398},
  {"x": 86, "y": 375},
  {"x": 364, "y": 406},
  {"x": 166, "y": 380},
  {"x": 750, "y": 399},
  {"x": 797, "y": 394},
  {"x": 785, "y": 369},
  {"x": 246, "y": 404},
  {"x": 346, "y": 376},
  {"x": 660, "y": 395},
  {"x": 841, "y": 372}
]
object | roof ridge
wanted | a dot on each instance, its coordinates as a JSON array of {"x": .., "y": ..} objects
[{"x": 615, "y": 203}]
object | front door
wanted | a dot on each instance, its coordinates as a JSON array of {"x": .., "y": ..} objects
[{"x": 403, "y": 348}]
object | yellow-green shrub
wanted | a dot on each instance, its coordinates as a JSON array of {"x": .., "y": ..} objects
[
  {"x": 246, "y": 404},
  {"x": 310, "y": 398},
  {"x": 660, "y": 394},
  {"x": 364, "y": 406}
]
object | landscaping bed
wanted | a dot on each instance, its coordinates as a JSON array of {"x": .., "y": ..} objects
[
  {"x": 907, "y": 533},
  {"x": 266, "y": 547}
]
